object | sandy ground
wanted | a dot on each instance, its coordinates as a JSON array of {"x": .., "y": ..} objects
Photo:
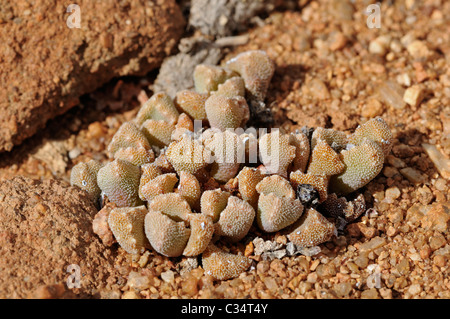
[{"x": 332, "y": 70}]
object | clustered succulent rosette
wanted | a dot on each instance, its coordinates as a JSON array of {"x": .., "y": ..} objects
[{"x": 185, "y": 172}]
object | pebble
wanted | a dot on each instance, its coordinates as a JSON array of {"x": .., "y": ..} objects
[
  {"x": 168, "y": 276},
  {"x": 391, "y": 194},
  {"x": 374, "y": 243},
  {"x": 74, "y": 153},
  {"x": 362, "y": 261},
  {"x": 336, "y": 41},
  {"x": 380, "y": 45},
  {"x": 131, "y": 294},
  {"x": 390, "y": 171},
  {"x": 418, "y": 49},
  {"x": 372, "y": 109},
  {"x": 312, "y": 278},
  {"x": 138, "y": 281},
  {"x": 437, "y": 242},
  {"x": 395, "y": 161},
  {"x": 370, "y": 294},
  {"x": 440, "y": 161},
  {"x": 414, "y": 289},
  {"x": 318, "y": 89},
  {"x": 437, "y": 217},
  {"x": 343, "y": 289},
  {"x": 271, "y": 284},
  {"x": 414, "y": 95},
  {"x": 392, "y": 94},
  {"x": 439, "y": 260},
  {"x": 404, "y": 79},
  {"x": 413, "y": 175}
]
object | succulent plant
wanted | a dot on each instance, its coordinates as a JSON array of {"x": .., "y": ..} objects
[
  {"x": 226, "y": 112},
  {"x": 228, "y": 151},
  {"x": 214, "y": 182},
  {"x": 362, "y": 163},
  {"x": 158, "y": 133},
  {"x": 161, "y": 184},
  {"x": 166, "y": 235},
  {"x": 190, "y": 189},
  {"x": 192, "y": 103},
  {"x": 248, "y": 178},
  {"x": 336, "y": 139},
  {"x": 341, "y": 207},
  {"x": 119, "y": 180},
  {"x": 276, "y": 153},
  {"x": 231, "y": 87},
  {"x": 213, "y": 202},
  {"x": 320, "y": 183},
  {"x": 184, "y": 126},
  {"x": 324, "y": 160},
  {"x": 311, "y": 229},
  {"x": 302, "y": 151},
  {"x": 188, "y": 155},
  {"x": 222, "y": 265},
  {"x": 256, "y": 68},
  {"x": 131, "y": 145},
  {"x": 277, "y": 205},
  {"x": 208, "y": 77},
  {"x": 202, "y": 230},
  {"x": 159, "y": 107},
  {"x": 235, "y": 220},
  {"x": 127, "y": 225},
  {"x": 84, "y": 175},
  {"x": 376, "y": 130}
]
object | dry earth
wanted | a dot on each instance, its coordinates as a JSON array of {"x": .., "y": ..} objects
[{"x": 333, "y": 71}]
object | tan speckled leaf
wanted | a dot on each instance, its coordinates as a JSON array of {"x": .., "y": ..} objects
[
  {"x": 222, "y": 265},
  {"x": 235, "y": 220},
  {"x": 127, "y": 225},
  {"x": 213, "y": 202},
  {"x": 362, "y": 163},
  {"x": 159, "y": 107},
  {"x": 311, "y": 229},
  {"x": 165, "y": 235},
  {"x": 202, "y": 230},
  {"x": 119, "y": 180}
]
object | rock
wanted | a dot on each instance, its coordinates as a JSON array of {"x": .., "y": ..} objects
[
  {"x": 343, "y": 289},
  {"x": 374, "y": 243},
  {"x": 49, "y": 292},
  {"x": 373, "y": 108},
  {"x": 47, "y": 65},
  {"x": 54, "y": 154},
  {"x": 318, "y": 89},
  {"x": 437, "y": 218},
  {"x": 418, "y": 49},
  {"x": 168, "y": 276},
  {"x": 138, "y": 281},
  {"x": 391, "y": 194},
  {"x": 392, "y": 93},
  {"x": 100, "y": 225},
  {"x": 412, "y": 175},
  {"x": 380, "y": 45},
  {"x": 45, "y": 227},
  {"x": 336, "y": 41},
  {"x": 371, "y": 293},
  {"x": 414, "y": 95},
  {"x": 440, "y": 161}
]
